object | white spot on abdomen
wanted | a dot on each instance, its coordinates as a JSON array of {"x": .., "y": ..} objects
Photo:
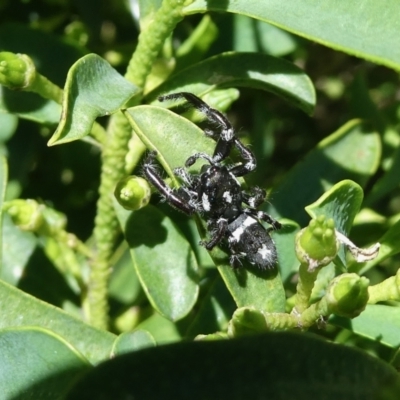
[
  {"x": 264, "y": 252},
  {"x": 238, "y": 232}
]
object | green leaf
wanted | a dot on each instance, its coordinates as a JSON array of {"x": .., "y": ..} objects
[
  {"x": 173, "y": 137},
  {"x": 132, "y": 341},
  {"x": 163, "y": 260},
  {"x": 269, "y": 366},
  {"x": 253, "y": 35},
  {"x": 389, "y": 247},
  {"x": 353, "y": 152},
  {"x": 342, "y": 203},
  {"x": 387, "y": 182},
  {"x": 214, "y": 309},
  {"x": 287, "y": 260},
  {"x": 37, "y": 364},
  {"x": 9, "y": 124},
  {"x": 29, "y": 106},
  {"x": 3, "y": 185},
  {"x": 161, "y": 329},
  {"x": 251, "y": 287},
  {"x": 377, "y": 322},
  {"x": 369, "y": 31},
  {"x": 93, "y": 89},
  {"x": 124, "y": 284},
  {"x": 21, "y": 309},
  {"x": 18, "y": 247},
  {"x": 254, "y": 70}
]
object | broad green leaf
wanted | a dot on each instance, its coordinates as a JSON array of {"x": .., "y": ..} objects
[
  {"x": 161, "y": 329},
  {"x": 254, "y": 70},
  {"x": 29, "y": 106},
  {"x": 389, "y": 247},
  {"x": 163, "y": 260},
  {"x": 17, "y": 248},
  {"x": 92, "y": 89},
  {"x": 377, "y": 322},
  {"x": 353, "y": 152},
  {"x": 255, "y": 35},
  {"x": 342, "y": 203},
  {"x": 214, "y": 309},
  {"x": 8, "y": 125},
  {"x": 124, "y": 284},
  {"x": 3, "y": 184},
  {"x": 251, "y": 287},
  {"x": 269, "y": 366},
  {"x": 20, "y": 309},
  {"x": 285, "y": 245},
  {"x": 387, "y": 182},
  {"x": 132, "y": 341},
  {"x": 368, "y": 31},
  {"x": 37, "y": 364},
  {"x": 173, "y": 137},
  {"x": 361, "y": 104}
]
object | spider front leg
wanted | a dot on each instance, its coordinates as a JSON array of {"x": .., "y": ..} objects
[
  {"x": 217, "y": 235},
  {"x": 225, "y": 139},
  {"x": 179, "y": 199}
]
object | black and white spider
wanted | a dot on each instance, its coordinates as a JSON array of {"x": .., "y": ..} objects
[{"x": 217, "y": 195}]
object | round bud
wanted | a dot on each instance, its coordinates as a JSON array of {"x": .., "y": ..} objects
[{"x": 133, "y": 192}]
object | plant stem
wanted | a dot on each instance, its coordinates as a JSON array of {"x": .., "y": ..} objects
[
  {"x": 149, "y": 45},
  {"x": 304, "y": 287},
  {"x": 389, "y": 289}
]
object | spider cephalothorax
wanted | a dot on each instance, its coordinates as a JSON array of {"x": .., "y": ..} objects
[{"x": 231, "y": 213}]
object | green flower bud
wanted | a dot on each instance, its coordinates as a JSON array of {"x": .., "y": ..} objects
[
  {"x": 17, "y": 71},
  {"x": 55, "y": 222},
  {"x": 347, "y": 295},
  {"x": 317, "y": 245},
  {"x": 26, "y": 214},
  {"x": 133, "y": 192},
  {"x": 246, "y": 321}
]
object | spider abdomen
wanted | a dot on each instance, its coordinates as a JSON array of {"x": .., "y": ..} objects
[{"x": 248, "y": 238}]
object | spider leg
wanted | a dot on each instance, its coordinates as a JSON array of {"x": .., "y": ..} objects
[
  {"x": 186, "y": 178},
  {"x": 255, "y": 198},
  {"x": 192, "y": 159},
  {"x": 178, "y": 199},
  {"x": 218, "y": 235},
  {"x": 225, "y": 139},
  {"x": 250, "y": 163},
  {"x": 234, "y": 259},
  {"x": 263, "y": 216},
  {"x": 212, "y": 114}
]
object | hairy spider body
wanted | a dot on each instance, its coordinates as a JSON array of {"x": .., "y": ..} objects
[{"x": 217, "y": 194}]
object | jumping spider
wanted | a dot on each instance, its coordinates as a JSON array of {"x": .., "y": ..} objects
[{"x": 217, "y": 195}]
